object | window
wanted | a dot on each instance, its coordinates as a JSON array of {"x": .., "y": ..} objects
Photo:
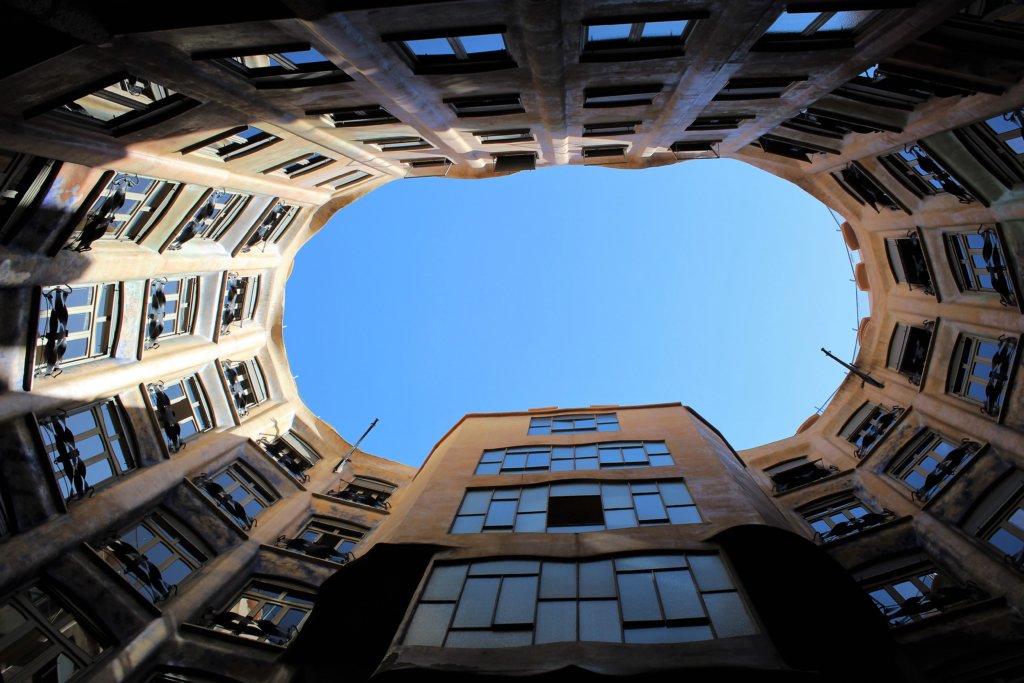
[
  {"x": 840, "y": 516},
  {"x": 791, "y": 149},
  {"x": 979, "y": 263},
  {"x": 398, "y": 144},
  {"x": 154, "y": 556},
  {"x": 181, "y": 409},
  {"x": 628, "y": 38},
  {"x": 296, "y": 65},
  {"x": 869, "y": 425},
  {"x": 798, "y": 472},
  {"x": 607, "y": 455},
  {"x": 605, "y": 152},
  {"x": 834, "y": 125},
  {"x": 488, "y": 105},
  {"x": 922, "y": 174},
  {"x": 863, "y": 187},
  {"x": 694, "y": 147},
  {"x": 23, "y": 180},
  {"x": 930, "y": 461},
  {"x": 908, "y": 263},
  {"x": 172, "y": 308},
  {"x": 366, "y": 492},
  {"x": 718, "y": 122},
  {"x": 795, "y": 29},
  {"x": 246, "y": 384},
  {"x": 981, "y": 369},
  {"x": 575, "y": 507},
  {"x": 75, "y": 324},
  {"x": 756, "y": 88},
  {"x": 603, "y": 422},
  {"x": 300, "y": 166},
  {"x": 212, "y": 217},
  {"x": 233, "y": 144},
  {"x": 908, "y": 590},
  {"x": 340, "y": 182},
  {"x": 43, "y": 639},
  {"x": 266, "y": 612},
  {"x": 239, "y": 492},
  {"x": 272, "y": 226},
  {"x": 87, "y": 446},
  {"x": 998, "y": 143},
  {"x": 125, "y": 209},
  {"x": 908, "y": 350},
  {"x": 327, "y": 539},
  {"x": 620, "y": 96},
  {"x": 885, "y": 89},
  {"x": 366, "y": 115},
  {"x": 118, "y": 106},
  {"x": 292, "y": 453},
  {"x": 514, "y": 162},
  {"x": 240, "y": 297},
  {"x": 493, "y": 137},
  {"x": 669, "y": 598},
  {"x": 454, "y": 51},
  {"x": 610, "y": 129}
]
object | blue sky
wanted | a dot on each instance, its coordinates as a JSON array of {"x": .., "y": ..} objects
[{"x": 708, "y": 282}]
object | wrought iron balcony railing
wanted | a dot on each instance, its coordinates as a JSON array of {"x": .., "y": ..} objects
[{"x": 224, "y": 501}]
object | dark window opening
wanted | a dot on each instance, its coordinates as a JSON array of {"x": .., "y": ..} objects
[
  {"x": 575, "y": 511},
  {"x": 908, "y": 350},
  {"x": 489, "y": 105},
  {"x": 908, "y": 262}
]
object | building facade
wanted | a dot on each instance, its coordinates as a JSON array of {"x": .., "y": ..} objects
[{"x": 171, "y": 511}]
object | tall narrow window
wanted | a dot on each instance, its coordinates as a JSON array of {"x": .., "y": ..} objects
[
  {"x": 43, "y": 638},
  {"x": 246, "y": 384},
  {"x": 239, "y": 492},
  {"x": 981, "y": 368},
  {"x": 266, "y": 612},
  {"x": 181, "y": 409},
  {"x": 908, "y": 350},
  {"x": 366, "y": 491},
  {"x": 908, "y": 262},
  {"x": 240, "y": 296},
  {"x": 292, "y": 453},
  {"x": 172, "y": 308},
  {"x": 154, "y": 556},
  {"x": 869, "y": 425},
  {"x": 211, "y": 218},
  {"x": 930, "y": 461},
  {"x": 125, "y": 209},
  {"x": 979, "y": 263},
  {"x": 75, "y": 324},
  {"x": 87, "y": 446},
  {"x": 325, "y": 538}
]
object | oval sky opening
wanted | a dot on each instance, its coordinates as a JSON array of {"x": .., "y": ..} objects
[{"x": 708, "y": 282}]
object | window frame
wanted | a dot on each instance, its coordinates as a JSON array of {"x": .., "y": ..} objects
[
  {"x": 342, "y": 537},
  {"x": 193, "y": 392},
  {"x": 234, "y": 145},
  {"x": 257, "y": 492},
  {"x": 609, "y": 97},
  {"x": 249, "y": 627},
  {"x": 873, "y": 420},
  {"x": 536, "y": 426},
  {"x": 511, "y": 136},
  {"x": 210, "y": 223},
  {"x": 906, "y": 354},
  {"x": 992, "y": 148},
  {"x": 924, "y": 175},
  {"x": 813, "y": 37},
  {"x": 635, "y": 46},
  {"x": 249, "y": 388},
  {"x": 836, "y": 516},
  {"x": 367, "y": 492},
  {"x": 756, "y": 88},
  {"x": 286, "y": 74},
  {"x": 242, "y": 305},
  {"x": 518, "y": 509},
  {"x": 50, "y": 330},
  {"x": 909, "y": 251},
  {"x": 120, "y": 464},
  {"x": 908, "y": 466},
  {"x": 366, "y": 115},
  {"x": 181, "y": 546},
  {"x": 569, "y": 457},
  {"x": 486, "y": 105},
  {"x": 65, "y": 618},
  {"x": 300, "y": 451},
  {"x": 360, "y": 176},
  {"x": 183, "y": 318},
  {"x": 120, "y": 225},
  {"x": 965, "y": 358},
  {"x": 460, "y": 61},
  {"x": 968, "y": 274}
]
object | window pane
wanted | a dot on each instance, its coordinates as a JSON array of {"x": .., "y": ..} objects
[
  {"x": 516, "y": 600},
  {"x": 558, "y": 580},
  {"x": 668, "y": 634},
  {"x": 491, "y": 42},
  {"x": 597, "y": 580},
  {"x": 445, "y": 583},
  {"x": 599, "y": 621},
  {"x": 678, "y": 594},
  {"x": 477, "y": 603},
  {"x": 556, "y": 622},
  {"x": 793, "y": 23},
  {"x": 710, "y": 573},
  {"x": 728, "y": 615},
  {"x": 429, "y": 624},
  {"x": 475, "y": 502},
  {"x": 430, "y": 46},
  {"x": 639, "y": 601},
  {"x": 608, "y": 32},
  {"x": 473, "y": 524},
  {"x": 531, "y": 522},
  {"x": 620, "y": 519},
  {"x": 664, "y": 29}
]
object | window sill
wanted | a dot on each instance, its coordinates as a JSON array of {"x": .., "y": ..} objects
[
  {"x": 208, "y": 632},
  {"x": 225, "y": 517},
  {"x": 118, "y": 578}
]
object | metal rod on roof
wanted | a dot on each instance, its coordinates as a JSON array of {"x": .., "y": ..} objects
[
  {"x": 855, "y": 370},
  {"x": 355, "y": 446}
]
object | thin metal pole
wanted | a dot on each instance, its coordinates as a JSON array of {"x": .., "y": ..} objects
[
  {"x": 855, "y": 370},
  {"x": 355, "y": 446}
]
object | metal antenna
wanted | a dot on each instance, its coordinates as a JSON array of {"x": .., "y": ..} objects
[
  {"x": 355, "y": 446},
  {"x": 855, "y": 370}
]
